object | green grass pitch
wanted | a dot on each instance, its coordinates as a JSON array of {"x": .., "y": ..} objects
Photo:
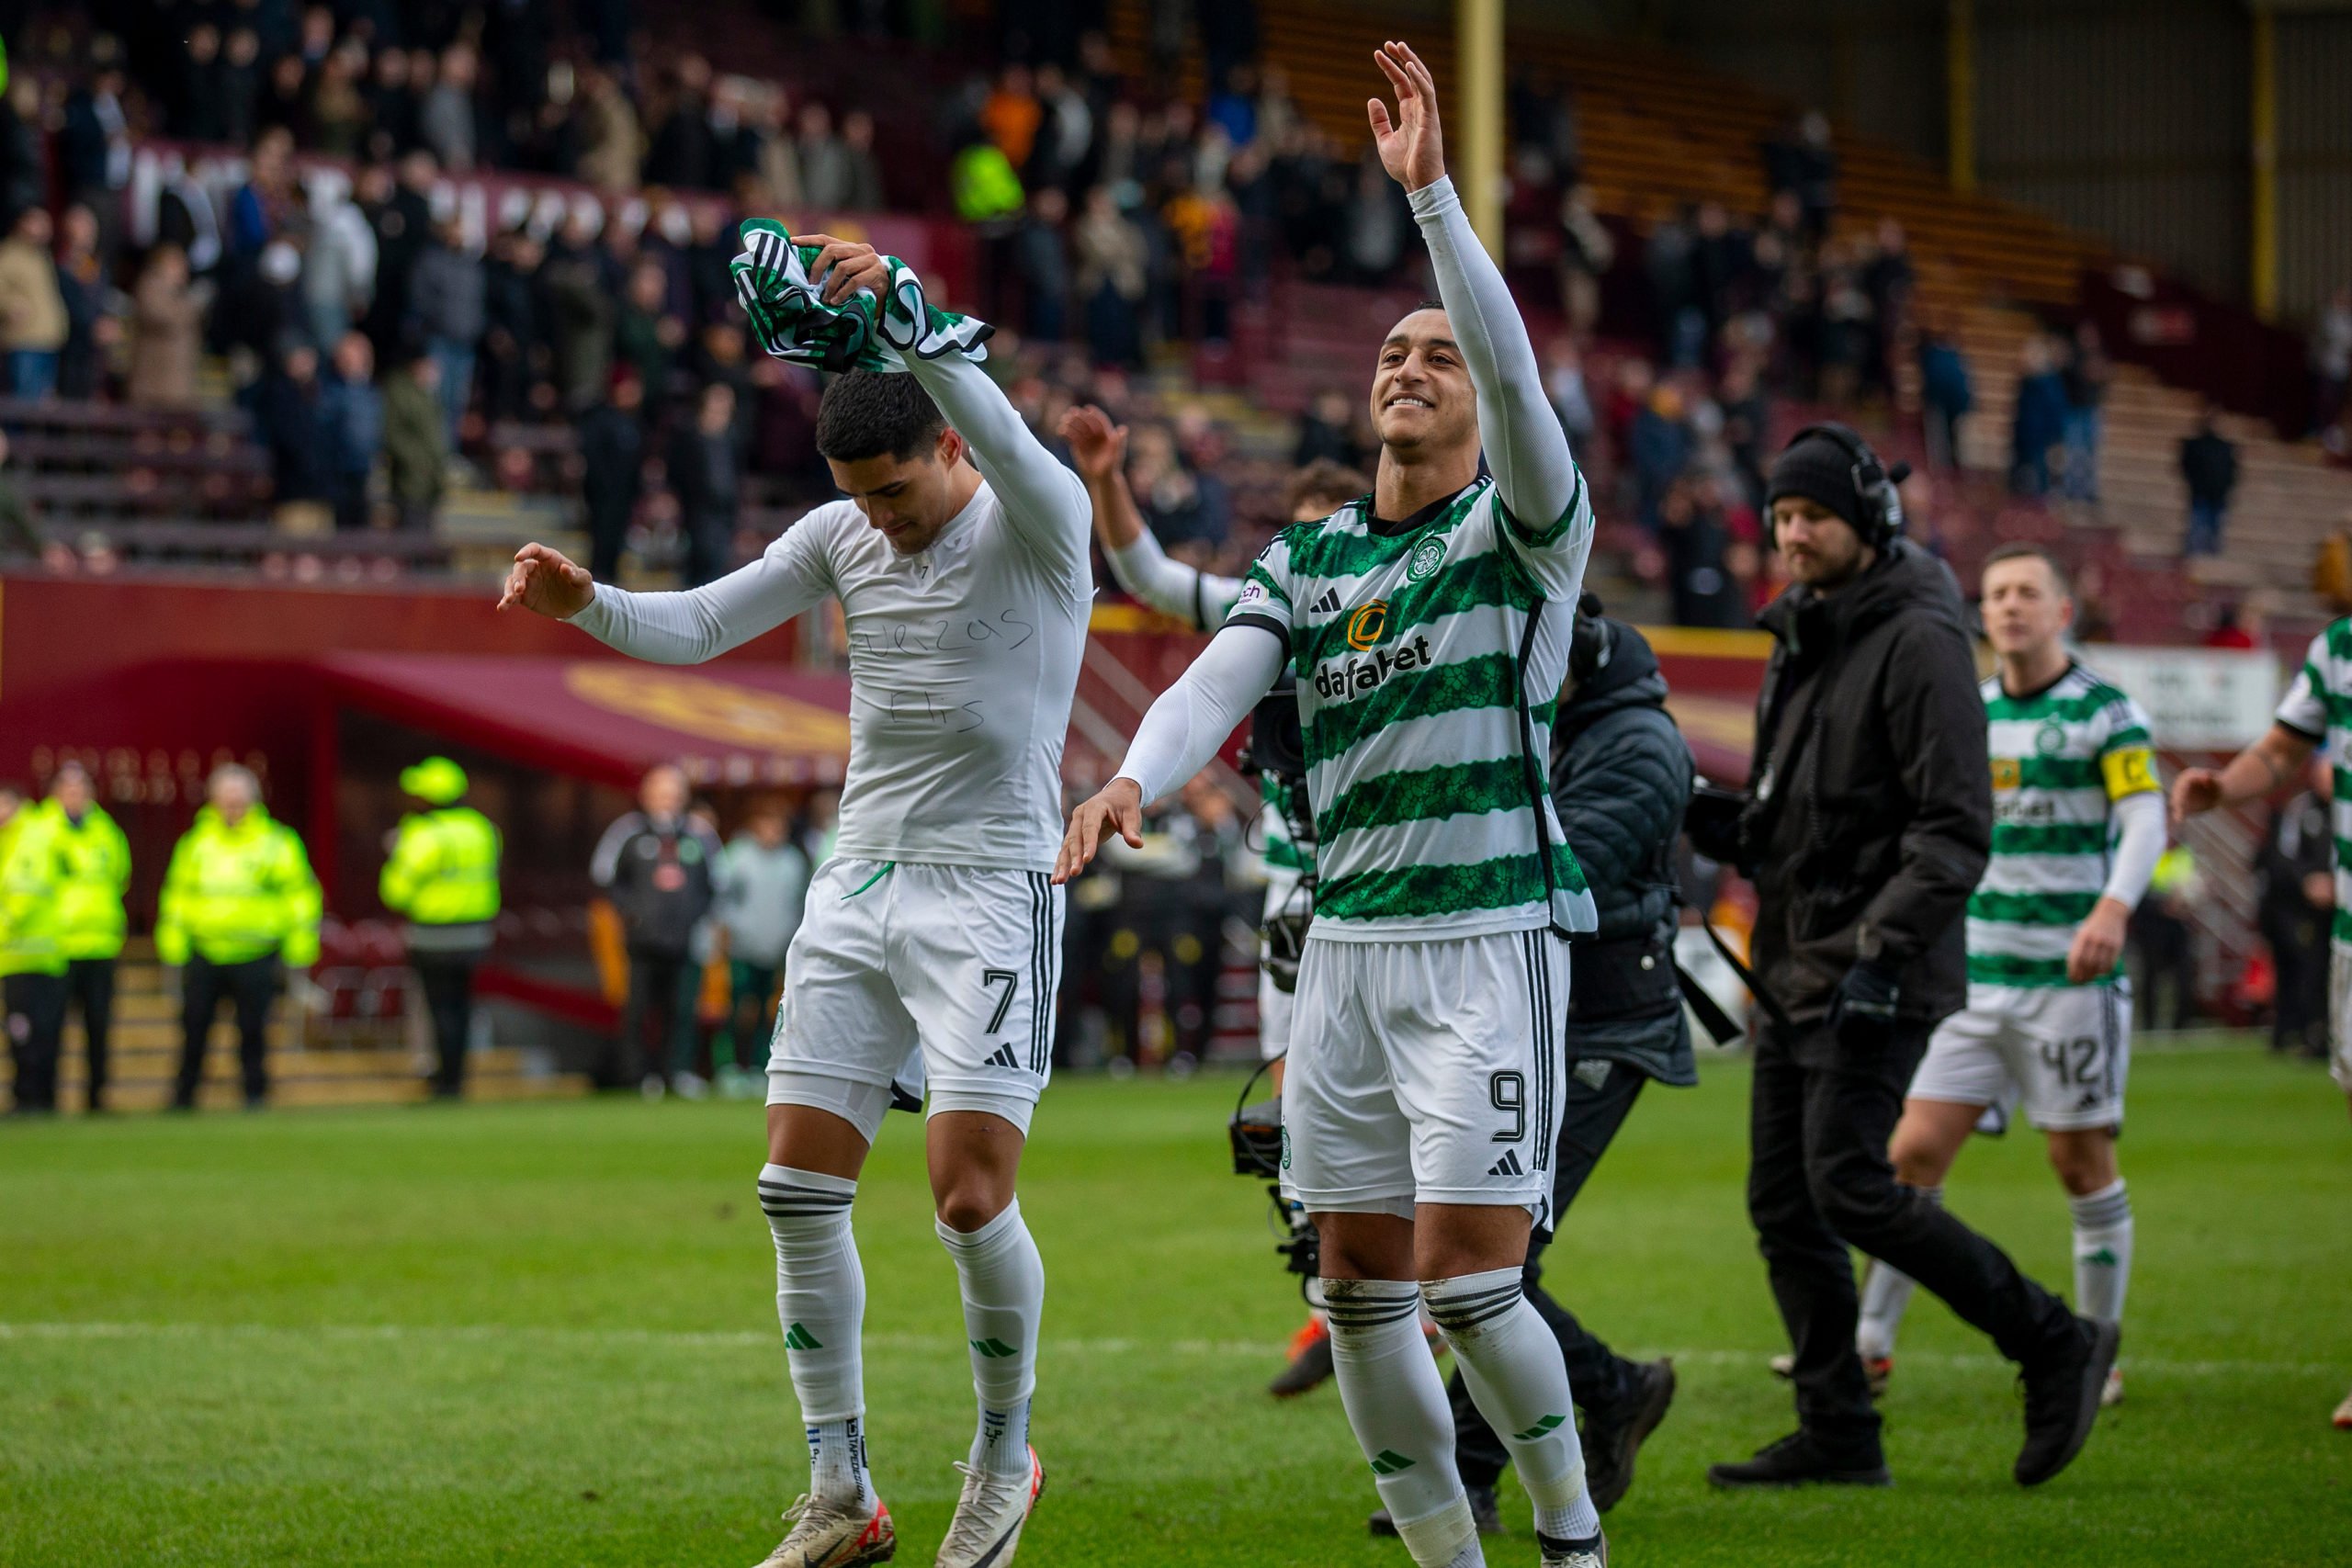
[{"x": 543, "y": 1334}]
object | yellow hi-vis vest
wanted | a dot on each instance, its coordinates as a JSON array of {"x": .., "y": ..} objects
[
  {"x": 98, "y": 870},
  {"x": 237, "y": 894},
  {"x": 444, "y": 868},
  {"x": 31, "y": 870}
]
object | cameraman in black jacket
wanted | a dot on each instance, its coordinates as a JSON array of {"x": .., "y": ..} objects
[
  {"x": 1621, "y": 777},
  {"x": 1869, "y": 824}
]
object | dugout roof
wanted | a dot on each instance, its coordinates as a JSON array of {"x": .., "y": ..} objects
[{"x": 608, "y": 720}]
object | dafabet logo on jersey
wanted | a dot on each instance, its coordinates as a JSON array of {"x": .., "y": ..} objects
[
  {"x": 1365, "y": 627},
  {"x": 1354, "y": 677}
]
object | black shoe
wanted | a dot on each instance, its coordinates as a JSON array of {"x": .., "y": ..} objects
[
  {"x": 2062, "y": 1401},
  {"x": 1592, "y": 1552},
  {"x": 1484, "y": 1514},
  {"x": 1613, "y": 1432},
  {"x": 1798, "y": 1461},
  {"x": 1308, "y": 1370}
]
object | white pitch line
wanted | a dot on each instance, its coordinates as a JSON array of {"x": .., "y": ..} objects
[{"x": 746, "y": 1339}]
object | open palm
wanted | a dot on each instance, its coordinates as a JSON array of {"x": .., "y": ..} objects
[{"x": 1412, "y": 149}]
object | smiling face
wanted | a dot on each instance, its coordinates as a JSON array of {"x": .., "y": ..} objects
[
  {"x": 2026, "y": 607},
  {"x": 1422, "y": 401},
  {"x": 910, "y": 500}
]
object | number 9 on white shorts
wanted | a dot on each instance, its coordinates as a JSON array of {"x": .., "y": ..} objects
[{"x": 1426, "y": 1072}]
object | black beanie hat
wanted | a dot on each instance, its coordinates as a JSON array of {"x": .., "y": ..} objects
[{"x": 1819, "y": 470}]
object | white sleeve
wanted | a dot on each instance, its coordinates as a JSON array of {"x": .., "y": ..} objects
[
  {"x": 2139, "y": 844},
  {"x": 1194, "y": 717},
  {"x": 2305, "y": 707},
  {"x": 1525, "y": 445},
  {"x": 1045, "y": 504},
  {"x": 1198, "y": 599},
  {"x": 790, "y": 577}
]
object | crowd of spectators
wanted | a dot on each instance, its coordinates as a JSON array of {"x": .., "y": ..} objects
[{"x": 379, "y": 335}]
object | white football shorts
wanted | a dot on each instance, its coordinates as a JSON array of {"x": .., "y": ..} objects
[
  {"x": 937, "y": 978},
  {"x": 1426, "y": 1072},
  {"x": 2062, "y": 1052}
]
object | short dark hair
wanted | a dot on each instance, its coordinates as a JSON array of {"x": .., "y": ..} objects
[
  {"x": 2043, "y": 553},
  {"x": 1323, "y": 480},
  {"x": 873, "y": 413}
]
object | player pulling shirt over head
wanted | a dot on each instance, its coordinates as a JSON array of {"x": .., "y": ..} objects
[
  {"x": 1428, "y": 627},
  {"x": 931, "y": 944}
]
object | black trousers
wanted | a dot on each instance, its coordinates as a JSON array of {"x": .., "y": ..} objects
[
  {"x": 1589, "y": 1118},
  {"x": 2298, "y": 956},
  {"x": 252, "y": 986},
  {"x": 448, "y": 981},
  {"x": 2167, "y": 963},
  {"x": 89, "y": 986},
  {"x": 36, "y": 1006},
  {"x": 607, "y": 538},
  {"x": 662, "y": 988},
  {"x": 1818, "y": 1178}
]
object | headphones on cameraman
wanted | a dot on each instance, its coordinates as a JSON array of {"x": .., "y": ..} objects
[
  {"x": 1589, "y": 644},
  {"x": 1874, "y": 482}
]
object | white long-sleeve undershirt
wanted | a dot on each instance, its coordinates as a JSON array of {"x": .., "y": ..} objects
[
  {"x": 1194, "y": 717},
  {"x": 1526, "y": 450},
  {"x": 1198, "y": 598},
  {"x": 702, "y": 623},
  {"x": 2139, "y": 844}
]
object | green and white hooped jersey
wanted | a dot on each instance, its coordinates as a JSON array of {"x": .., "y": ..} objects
[
  {"x": 1207, "y": 599},
  {"x": 1286, "y": 856},
  {"x": 2318, "y": 706},
  {"x": 2061, "y": 758},
  {"x": 1429, "y": 665}
]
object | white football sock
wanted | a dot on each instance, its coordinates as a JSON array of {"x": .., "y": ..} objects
[
  {"x": 1886, "y": 1291},
  {"x": 1517, "y": 1377},
  {"x": 1396, "y": 1407},
  {"x": 1448, "y": 1537},
  {"x": 820, "y": 1301},
  {"x": 1004, "y": 1296},
  {"x": 2102, "y": 1251}
]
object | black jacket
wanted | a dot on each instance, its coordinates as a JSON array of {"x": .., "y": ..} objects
[
  {"x": 1620, "y": 776},
  {"x": 1871, "y": 816},
  {"x": 2300, "y": 843},
  {"x": 659, "y": 876},
  {"x": 612, "y": 451},
  {"x": 2208, "y": 467}
]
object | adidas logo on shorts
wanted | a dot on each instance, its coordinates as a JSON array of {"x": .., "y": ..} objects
[
  {"x": 1002, "y": 1056},
  {"x": 1507, "y": 1165}
]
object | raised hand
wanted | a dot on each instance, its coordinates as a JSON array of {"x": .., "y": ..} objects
[
  {"x": 1117, "y": 809},
  {"x": 1412, "y": 149},
  {"x": 546, "y": 583},
  {"x": 1096, "y": 446},
  {"x": 846, "y": 267}
]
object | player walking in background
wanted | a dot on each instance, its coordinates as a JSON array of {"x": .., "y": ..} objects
[
  {"x": 932, "y": 938},
  {"x": 2317, "y": 711},
  {"x": 1429, "y": 625},
  {"x": 2078, "y": 821},
  {"x": 1202, "y": 599}
]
